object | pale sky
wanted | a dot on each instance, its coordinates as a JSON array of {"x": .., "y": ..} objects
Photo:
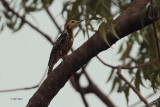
[{"x": 24, "y": 57}]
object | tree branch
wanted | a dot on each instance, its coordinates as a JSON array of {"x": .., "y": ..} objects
[
  {"x": 86, "y": 17},
  {"x": 150, "y": 95},
  {"x": 53, "y": 20},
  {"x": 129, "y": 67},
  {"x": 75, "y": 83},
  {"x": 6, "y": 5},
  {"x": 94, "y": 89},
  {"x": 130, "y": 85},
  {"x": 27, "y": 88},
  {"x": 95, "y": 44}
]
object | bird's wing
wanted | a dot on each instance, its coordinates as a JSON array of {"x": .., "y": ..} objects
[
  {"x": 59, "y": 42},
  {"x": 54, "y": 56}
]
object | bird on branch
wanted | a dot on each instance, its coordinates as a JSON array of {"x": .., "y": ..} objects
[{"x": 63, "y": 44}]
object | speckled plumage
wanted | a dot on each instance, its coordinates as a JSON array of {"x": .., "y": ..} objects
[
  {"x": 61, "y": 48},
  {"x": 63, "y": 44}
]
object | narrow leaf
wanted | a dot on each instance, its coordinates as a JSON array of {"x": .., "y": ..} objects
[
  {"x": 110, "y": 26},
  {"x": 2, "y": 27},
  {"x": 126, "y": 53},
  {"x": 112, "y": 72},
  {"x": 103, "y": 33},
  {"x": 120, "y": 49},
  {"x": 116, "y": 81},
  {"x": 126, "y": 92},
  {"x": 19, "y": 27}
]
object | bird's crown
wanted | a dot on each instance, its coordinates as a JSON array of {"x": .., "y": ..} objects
[{"x": 72, "y": 24}]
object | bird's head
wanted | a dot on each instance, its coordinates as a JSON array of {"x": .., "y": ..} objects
[{"x": 72, "y": 24}]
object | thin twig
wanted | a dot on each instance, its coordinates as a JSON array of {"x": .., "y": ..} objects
[
  {"x": 155, "y": 32},
  {"x": 114, "y": 67},
  {"x": 86, "y": 17},
  {"x": 53, "y": 20},
  {"x": 27, "y": 88},
  {"x": 6, "y": 5},
  {"x": 155, "y": 102},
  {"x": 126, "y": 67},
  {"x": 133, "y": 88},
  {"x": 150, "y": 95},
  {"x": 142, "y": 65}
]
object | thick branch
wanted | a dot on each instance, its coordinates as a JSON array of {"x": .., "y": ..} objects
[
  {"x": 57, "y": 79},
  {"x": 94, "y": 89}
]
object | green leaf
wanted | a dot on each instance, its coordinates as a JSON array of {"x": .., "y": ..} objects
[
  {"x": 142, "y": 33},
  {"x": 158, "y": 15},
  {"x": 154, "y": 78},
  {"x": 102, "y": 33},
  {"x": 137, "y": 39},
  {"x": 116, "y": 81},
  {"x": 2, "y": 27},
  {"x": 30, "y": 9},
  {"x": 10, "y": 25},
  {"x": 126, "y": 53},
  {"x": 121, "y": 88},
  {"x": 83, "y": 31},
  {"x": 19, "y": 27},
  {"x": 8, "y": 15},
  {"x": 110, "y": 26},
  {"x": 120, "y": 48},
  {"x": 126, "y": 92},
  {"x": 138, "y": 80},
  {"x": 112, "y": 72}
]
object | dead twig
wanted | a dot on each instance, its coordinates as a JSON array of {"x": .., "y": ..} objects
[{"x": 27, "y": 88}]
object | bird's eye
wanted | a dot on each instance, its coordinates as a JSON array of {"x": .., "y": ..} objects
[{"x": 72, "y": 21}]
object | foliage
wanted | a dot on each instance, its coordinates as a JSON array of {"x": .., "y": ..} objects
[{"x": 24, "y": 8}]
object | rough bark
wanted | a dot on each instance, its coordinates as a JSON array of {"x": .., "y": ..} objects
[{"x": 132, "y": 19}]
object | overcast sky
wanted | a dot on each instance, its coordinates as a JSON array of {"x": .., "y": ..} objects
[{"x": 24, "y": 57}]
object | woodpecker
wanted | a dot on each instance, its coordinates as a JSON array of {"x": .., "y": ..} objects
[{"x": 63, "y": 44}]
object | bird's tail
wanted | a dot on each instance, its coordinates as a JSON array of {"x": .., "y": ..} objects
[
  {"x": 49, "y": 69},
  {"x": 54, "y": 57}
]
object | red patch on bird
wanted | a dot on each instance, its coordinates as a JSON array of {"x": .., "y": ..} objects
[
  {"x": 66, "y": 50},
  {"x": 67, "y": 22}
]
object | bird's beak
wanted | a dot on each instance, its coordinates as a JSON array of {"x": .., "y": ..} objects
[
  {"x": 77, "y": 23},
  {"x": 80, "y": 21}
]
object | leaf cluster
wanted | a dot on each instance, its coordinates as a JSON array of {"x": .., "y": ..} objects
[
  {"x": 138, "y": 49},
  {"x": 23, "y": 8}
]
